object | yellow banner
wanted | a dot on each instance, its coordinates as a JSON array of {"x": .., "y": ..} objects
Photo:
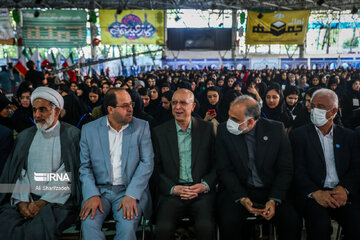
[
  {"x": 132, "y": 27},
  {"x": 281, "y": 27}
]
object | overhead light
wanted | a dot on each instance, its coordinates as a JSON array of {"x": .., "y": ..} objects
[
  {"x": 36, "y": 13},
  {"x": 354, "y": 10},
  {"x": 320, "y": 2},
  {"x": 260, "y": 15}
]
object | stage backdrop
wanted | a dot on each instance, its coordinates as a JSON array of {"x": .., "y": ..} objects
[
  {"x": 132, "y": 27},
  {"x": 6, "y": 31},
  {"x": 281, "y": 27},
  {"x": 54, "y": 28}
]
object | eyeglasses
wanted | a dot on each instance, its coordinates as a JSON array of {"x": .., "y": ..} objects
[
  {"x": 182, "y": 103},
  {"x": 126, "y": 105}
]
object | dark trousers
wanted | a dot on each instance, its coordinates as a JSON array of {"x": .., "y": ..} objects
[
  {"x": 318, "y": 220},
  {"x": 171, "y": 209},
  {"x": 232, "y": 216}
]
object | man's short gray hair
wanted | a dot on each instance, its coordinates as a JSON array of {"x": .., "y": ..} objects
[
  {"x": 253, "y": 109},
  {"x": 333, "y": 98}
]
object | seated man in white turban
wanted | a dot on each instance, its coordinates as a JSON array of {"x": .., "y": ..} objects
[{"x": 40, "y": 188}]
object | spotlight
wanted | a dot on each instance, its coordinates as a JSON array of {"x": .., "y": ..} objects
[
  {"x": 354, "y": 10},
  {"x": 260, "y": 15},
  {"x": 320, "y": 2},
  {"x": 36, "y": 13},
  {"x": 119, "y": 11}
]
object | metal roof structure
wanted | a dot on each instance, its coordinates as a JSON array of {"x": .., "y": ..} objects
[{"x": 186, "y": 4}]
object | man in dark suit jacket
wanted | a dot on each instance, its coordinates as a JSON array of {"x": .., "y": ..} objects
[
  {"x": 35, "y": 77},
  {"x": 327, "y": 162},
  {"x": 255, "y": 169},
  {"x": 185, "y": 170},
  {"x": 7, "y": 140}
]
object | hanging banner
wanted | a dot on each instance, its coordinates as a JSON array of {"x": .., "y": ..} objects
[
  {"x": 281, "y": 27},
  {"x": 54, "y": 28},
  {"x": 6, "y": 31},
  {"x": 132, "y": 27}
]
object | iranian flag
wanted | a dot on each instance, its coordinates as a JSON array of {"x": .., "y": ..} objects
[
  {"x": 20, "y": 66},
  {"x": 89, "y": 71},
  {"x": 58, "y": 60},
  {"x": 36, "y": 58},
  {"x": 83, "y": 71},
  {"x": 69, "y": 62},
  {"x": 50, "y": 60}
]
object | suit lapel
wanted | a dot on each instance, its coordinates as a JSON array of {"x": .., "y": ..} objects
[
  {"x": 104, "y": 141},
  {"x": 173, "y": 143},
  {"x": 126, "y": 141},
  {"x": 315, "y": 142},
  {"x": 240, "y": 148},
  {"x": 337, "y": 149},
  {"x": 195, "y": 141},
  {"x": 262, "y": 142}
]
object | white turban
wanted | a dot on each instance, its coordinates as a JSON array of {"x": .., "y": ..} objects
[{"x": 48, "y": 94}]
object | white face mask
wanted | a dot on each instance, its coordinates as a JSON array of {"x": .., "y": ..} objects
[
  {"x": 318, "y": 117},
  {"x": 233, "y": 127}
]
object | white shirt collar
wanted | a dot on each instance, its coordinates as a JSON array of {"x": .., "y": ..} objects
[
  {"x": 111, "y": 128},
  {"x": 330, "y": 134}
]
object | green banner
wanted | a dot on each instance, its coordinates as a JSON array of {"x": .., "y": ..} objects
[{"x": 54, "y": 28}]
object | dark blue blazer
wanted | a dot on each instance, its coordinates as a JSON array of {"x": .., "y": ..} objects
[{"x": 310, "y": 166}]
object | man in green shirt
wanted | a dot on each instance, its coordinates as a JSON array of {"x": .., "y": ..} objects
[{"x": 185, "y": 170}]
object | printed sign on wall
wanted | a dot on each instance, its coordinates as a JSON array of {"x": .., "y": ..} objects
[
  {"x": 132, "y": 27},
  {"x": 280, "y": 27},
  {"x": 54, "y": 28}
]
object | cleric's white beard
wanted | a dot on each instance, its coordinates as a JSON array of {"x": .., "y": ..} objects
[{"x": 48, "y": 122}]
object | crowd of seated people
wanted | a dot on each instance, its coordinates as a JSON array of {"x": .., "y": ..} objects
[{"x": 214, "y": 145}]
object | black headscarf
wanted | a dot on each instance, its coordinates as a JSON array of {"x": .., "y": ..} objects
[
  {"x": 207, "y": 106},
  {"x": 224, "y": 105},
  {"x": 278, "y": 113}
]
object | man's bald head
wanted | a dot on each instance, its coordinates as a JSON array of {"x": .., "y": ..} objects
[{"x": 187, "y": 93}]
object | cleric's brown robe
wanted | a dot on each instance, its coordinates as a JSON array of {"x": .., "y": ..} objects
[{"x": 53, "y": 218}]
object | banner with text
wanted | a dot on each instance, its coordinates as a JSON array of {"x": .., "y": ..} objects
[
  {"x": 132, "y": 27},
  {"x": 281, "y": 27},
  {"x": 6, "y": 31},
  {"x": 54, "y": 28}
]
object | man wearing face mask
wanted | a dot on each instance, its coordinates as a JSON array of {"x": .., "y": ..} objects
[
  {"x": 327, "y": 163},
  {"x": 255, "y": 169}
]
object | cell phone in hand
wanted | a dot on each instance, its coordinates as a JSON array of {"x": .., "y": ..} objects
[
  {"x": 212, "y": 111},
  {"x": 258, "y": 205}
]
